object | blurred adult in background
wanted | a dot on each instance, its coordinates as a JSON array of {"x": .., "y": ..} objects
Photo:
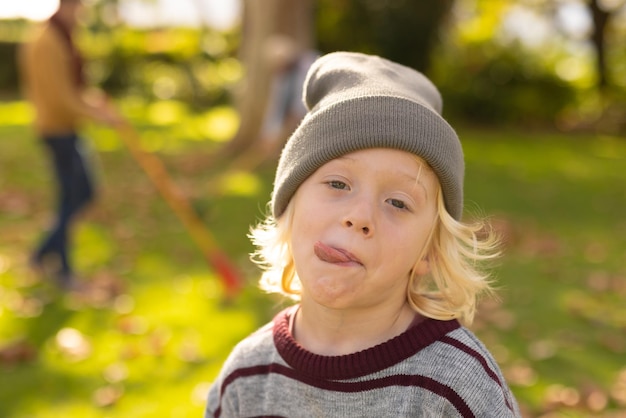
[
  {"x": 51, "y": 70},
  {"x": 289, "y": 65}
]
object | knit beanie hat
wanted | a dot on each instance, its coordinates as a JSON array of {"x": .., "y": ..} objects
[{"x": 357, "y": 101}]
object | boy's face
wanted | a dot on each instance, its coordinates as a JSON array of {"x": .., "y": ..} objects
[{"x": 359, "y": 225}]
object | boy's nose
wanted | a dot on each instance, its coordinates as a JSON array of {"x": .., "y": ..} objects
[
  {"x": 364, "y": 228},
  {"x": 360, "y": 217}
]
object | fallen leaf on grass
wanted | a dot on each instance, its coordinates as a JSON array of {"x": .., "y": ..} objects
[
  {"x": 492, "y": 312},
  {"x": 189, "y": 351},
  {"x": 595, "y": 399},
  {"x": 525, "y": 238},
  {"x": 16, "y": 352},
  {"x": 73, "y": 344},
  {"x": 606, "y": 282},
  {"x": 23, "y": 306},
  {"x": 15, "y": 202},
  {"x": 542, "y": 349},
  {"x": 599, "y": 281},
  {"x": 131, "y": 352},
  {"x": 98, "y": 292},
  {"x": 505, "y": 230},
  {"x": 124, "y": 304},
  {"x": 557, "y": 395},
  {"x": 132, "y": 325},
  {"x": 115, "y": 373},
  {"x": 614, "y": 342},
  {"x": 520, "y": 374},
  {"x": 618, "y": 390},
  {"x": 595, "y": 308},
  {"x": 5, "y": 263},
  {"x": 107, "y": 395},
  {"x": 596, "y": 252},
  {"x": 158, "y": 340},
  {"x": 199, "y": 393}
]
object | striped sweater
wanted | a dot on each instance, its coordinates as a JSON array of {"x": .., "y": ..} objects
[{"x": 434, "y": 369}]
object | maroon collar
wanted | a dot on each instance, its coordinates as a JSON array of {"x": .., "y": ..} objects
[{"x": 414, "y": 339}]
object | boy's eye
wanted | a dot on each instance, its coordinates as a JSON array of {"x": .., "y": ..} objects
[
  {"x": 397, "y": 203},
  {"x": 336, "y": 184}
]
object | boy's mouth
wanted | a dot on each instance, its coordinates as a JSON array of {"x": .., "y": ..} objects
[{"x": 333, "y": 255}]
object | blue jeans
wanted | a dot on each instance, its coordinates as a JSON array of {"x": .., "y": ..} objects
[{"x": 75, "y": 190}]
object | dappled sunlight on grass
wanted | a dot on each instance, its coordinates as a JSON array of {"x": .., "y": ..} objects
[
  {"x": 95, "y": 246},
  {"x": 170, "y": 122},
  {"x": 165, "y": 112},
  {"x": 16, "y": 113},
  {"x": 229, "y": 70},
  {"x": 100, "y": 356},
  {"x": 127, "y": 337},
  {"x": 174, "y": 133},
  {"x": 106, "y": 140},
  {"x": 220, "y": 124},
  {"x": 153, "y": 141},
  {"x": 565, "y": 158},
  {"x": 239, "y": 183},
  {"x": 610, "y": 147},
  {"x": 558, "y": 328},
  {"x": 152, "y": 322}
]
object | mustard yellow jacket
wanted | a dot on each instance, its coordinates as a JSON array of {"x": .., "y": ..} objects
[{"x": 48, "y": 81}]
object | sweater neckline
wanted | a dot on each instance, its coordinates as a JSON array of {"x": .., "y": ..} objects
[{"x": 361, "y": 363}]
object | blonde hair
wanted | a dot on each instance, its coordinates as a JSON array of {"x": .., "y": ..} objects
[{"x": 456, "y": 254}]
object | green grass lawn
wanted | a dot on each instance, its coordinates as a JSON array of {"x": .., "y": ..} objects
[{"x": 152, "y": 335}]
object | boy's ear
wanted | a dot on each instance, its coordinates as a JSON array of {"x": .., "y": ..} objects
[{"x": 422, "y": 267}]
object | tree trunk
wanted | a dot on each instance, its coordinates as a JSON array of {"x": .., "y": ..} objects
[
  {"x": 262, "y": 19},
  {"x": 600, "y": 20}
]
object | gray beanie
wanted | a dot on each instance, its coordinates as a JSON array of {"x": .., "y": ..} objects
[{"x": 358, "y": 101}]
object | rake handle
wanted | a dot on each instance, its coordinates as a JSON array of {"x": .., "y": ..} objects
[{"x": 203, "y": 238}]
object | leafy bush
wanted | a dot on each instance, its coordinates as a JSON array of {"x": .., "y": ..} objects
[
  {"x": 193, "y": 65},
  {"x": 8, "y": 73},
  {"x": 488, "y": 84}
]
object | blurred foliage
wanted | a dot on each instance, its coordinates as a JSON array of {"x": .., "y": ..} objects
[
  {"x": 169, "y": 63},
  {"x": 180, "y": 64},
  {"x": 11, "y": 33},
  {"x": 8, "y": 73},
  {"x": 500, "y": 85},
  {"x": 113, "y": 350},
  {"x": 403, "y": 31},
  {"x": 187, "y": 64},
  {"x": 488, "y": 72}
]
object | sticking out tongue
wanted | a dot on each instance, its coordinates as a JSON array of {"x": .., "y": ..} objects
[{"x": 330, "y": 254}]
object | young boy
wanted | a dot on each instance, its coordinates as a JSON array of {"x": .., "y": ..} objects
[{"x": 366, "y": 234}]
